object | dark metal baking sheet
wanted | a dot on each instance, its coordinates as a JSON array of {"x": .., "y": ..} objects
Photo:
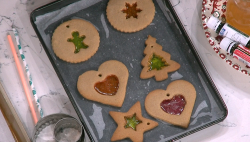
[{"x": 209, "y": 108}]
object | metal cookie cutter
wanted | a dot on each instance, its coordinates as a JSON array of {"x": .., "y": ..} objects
[
  {"x": 68, "y": 130},
  {"x": 52, "y": 124}
]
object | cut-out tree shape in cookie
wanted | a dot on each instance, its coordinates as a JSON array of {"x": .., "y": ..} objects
[
  {"x": 156, "y": 62},
  {"x": 77, "y": 40},
  {"x": 131, "y": 10}
]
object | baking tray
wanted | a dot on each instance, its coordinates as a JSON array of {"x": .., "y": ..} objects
[{"x": 209, "y": 108}]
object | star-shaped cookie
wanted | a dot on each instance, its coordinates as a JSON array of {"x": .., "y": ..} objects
[{"x": 123, "y": 131}]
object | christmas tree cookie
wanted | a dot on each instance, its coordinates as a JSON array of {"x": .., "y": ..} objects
[{"x": 156, "y": 62}]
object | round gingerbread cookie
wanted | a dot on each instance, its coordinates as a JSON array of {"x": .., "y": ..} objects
[
  {"x": 75, "y": 40},
  {"x": 130, "y": 15}
]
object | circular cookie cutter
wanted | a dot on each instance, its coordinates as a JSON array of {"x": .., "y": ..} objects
[
  {"x": 68, "y": 130},
  {"x": 44, "y": 129}
]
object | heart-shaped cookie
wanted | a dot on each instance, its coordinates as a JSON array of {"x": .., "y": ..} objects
[
  {"x": 107, "y": 85},
  {"x": 178, "y": 91}
]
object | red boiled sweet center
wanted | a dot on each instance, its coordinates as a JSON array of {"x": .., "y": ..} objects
[
  {"x": 174, "y": 106},
  {"x": 109, "y": 86}
]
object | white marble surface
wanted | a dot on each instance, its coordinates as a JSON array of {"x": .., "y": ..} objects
[
  {"x": 232, "y": 85},
  {"x": 49, "y": 89}
]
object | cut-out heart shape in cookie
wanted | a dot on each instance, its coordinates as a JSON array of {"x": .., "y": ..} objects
[
  {"x": 176, "y": 91},
  {"x": 174, "y": 106},
  {"x": 107, "y": 85}
]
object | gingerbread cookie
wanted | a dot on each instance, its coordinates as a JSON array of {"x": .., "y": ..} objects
[
  {"x": 107, "y": 85},
  {"x": 173, "y": 105},
  {"x": 131, "y": 124},
  {"x": 130, "y": 15},
  {"x": 75, "y": 40},
  {"x": 156, "y": 62}
]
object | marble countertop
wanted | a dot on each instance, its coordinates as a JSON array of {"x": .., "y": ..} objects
[{"x": 232, "y": 85}]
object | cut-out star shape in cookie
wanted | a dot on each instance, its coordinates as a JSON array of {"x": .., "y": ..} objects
[
  {"x": 131, "y": 10},
  {"x": 131, "y": 124}
]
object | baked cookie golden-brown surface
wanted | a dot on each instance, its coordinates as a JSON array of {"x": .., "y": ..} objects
[
  {"x": 107, "y": 85},
  {"x": 130, "y": 15},
  {"x": 156, "y": 62},
  {"x": 173, "y": 105},
  {"x": 75, "y": 40},
  {"x": 131, "y": 124}
]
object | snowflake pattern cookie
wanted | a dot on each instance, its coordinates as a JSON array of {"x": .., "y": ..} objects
[{"x": 130, "y": 15}]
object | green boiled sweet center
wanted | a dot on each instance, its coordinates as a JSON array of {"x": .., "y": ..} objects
[
  {"x": 132, "y": 122},
  {"x": 78, "y": 41},
  {"x": 157, "y": 62}
]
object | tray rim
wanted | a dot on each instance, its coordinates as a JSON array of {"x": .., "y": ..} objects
[
  {"x": 54, "y": 65},
  {"x": 186, "y": 37},
  {"x": 203, "y": 67}
]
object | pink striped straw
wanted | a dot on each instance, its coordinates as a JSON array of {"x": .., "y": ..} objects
[{"x": 23, "y": 80}]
